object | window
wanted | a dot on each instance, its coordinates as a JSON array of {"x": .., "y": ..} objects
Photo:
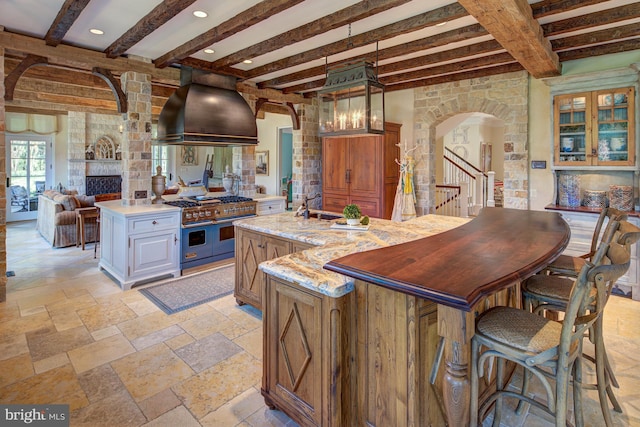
[
  {"x": 27, "y": 160},
  {"x": 160, "y": 157}
]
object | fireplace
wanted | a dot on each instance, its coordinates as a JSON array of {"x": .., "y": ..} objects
[{"x": 103, "y": 184}]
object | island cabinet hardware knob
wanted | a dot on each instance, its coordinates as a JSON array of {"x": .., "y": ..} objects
[{"x": 154, "y": 222}]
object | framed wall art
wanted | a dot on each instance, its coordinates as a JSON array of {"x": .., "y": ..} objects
[
  {"x": 189, "y": 155},
  {"x": 262, "y": 162}
]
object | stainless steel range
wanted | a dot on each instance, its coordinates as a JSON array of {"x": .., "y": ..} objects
[{"x": 207, "y": 227}]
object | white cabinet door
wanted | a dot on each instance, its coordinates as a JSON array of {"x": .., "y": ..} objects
[{"x": 153, "y": 252}]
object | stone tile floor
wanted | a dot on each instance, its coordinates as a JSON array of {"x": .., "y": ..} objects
[{"x": 68, "y": 334}]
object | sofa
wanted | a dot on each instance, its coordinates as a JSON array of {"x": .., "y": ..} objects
[{"x": 57, "y": 217}]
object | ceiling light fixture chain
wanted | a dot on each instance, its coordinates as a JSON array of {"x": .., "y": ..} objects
[{"x": 349, "y": 42}]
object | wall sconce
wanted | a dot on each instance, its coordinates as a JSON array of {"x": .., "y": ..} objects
[
  {"x": 121, "y": 128},
  {"x": 351, "y": 101}
]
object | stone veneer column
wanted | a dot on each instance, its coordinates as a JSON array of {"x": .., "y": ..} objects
[
  {"x": 244, "y": 161},
  {"x": 76, "y": 142},
  {"x": 504, "y": 96},
  {"x": 3, "y": 189},
  {"x": 307, "y": 157},
  {"x": 244, "y": 165},
  {"x": 136, "y": 141}
]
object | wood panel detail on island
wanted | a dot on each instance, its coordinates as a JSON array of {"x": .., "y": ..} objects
[{"x": 339, "y": 351}]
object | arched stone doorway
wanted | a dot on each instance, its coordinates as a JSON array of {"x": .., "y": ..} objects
[{"x": 505, "y": 97}]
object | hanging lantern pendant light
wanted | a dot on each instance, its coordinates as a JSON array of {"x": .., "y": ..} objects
[{"x": 352, "y": 100}]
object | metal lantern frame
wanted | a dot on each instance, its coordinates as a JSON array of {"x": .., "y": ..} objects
[{"x": 351, "y": 84}]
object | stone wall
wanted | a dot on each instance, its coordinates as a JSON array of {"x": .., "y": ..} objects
[
  {"x": 75, "y": 151},
  {"x": 136, "y": 141},
  {"x": 503, "y": 96},
  {"x": 85, "y": 129},
  {"x": 307, "y": 157}
]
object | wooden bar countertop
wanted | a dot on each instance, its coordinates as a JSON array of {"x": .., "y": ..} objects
[{"x": 459, "y": 267}]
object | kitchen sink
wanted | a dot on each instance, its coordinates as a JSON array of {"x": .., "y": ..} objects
[{"x": 325, "y": 216}]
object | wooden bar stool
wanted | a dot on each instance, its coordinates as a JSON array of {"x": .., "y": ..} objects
[
  {"x": 96, "y": 238},
  {"x": 545, "y": 348},
  {"x": 84, "y": 216},
  {"x": 571, "y": 265},
  {"x": 543, "y": 293}
]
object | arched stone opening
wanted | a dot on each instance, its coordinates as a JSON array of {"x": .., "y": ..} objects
[{"x": 505, "y": 97}]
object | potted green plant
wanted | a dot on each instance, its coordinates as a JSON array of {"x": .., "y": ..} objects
[{"x": 352, "y": 214}]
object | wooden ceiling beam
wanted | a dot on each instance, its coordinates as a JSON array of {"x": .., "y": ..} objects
[
  {"x": 67, "y": 15},
  {"x": 453, "y": 36},
  {"x": 329, "y": 22},
  {"x": 455, "y": 67},
  {"x": 69, "y": 100},
  {"x": 604, "y": 17},
  {"x": 84, "y": 59},
  {"x": 597, "y": 37},
  {"x": 512, "y": 24},
  {"x": 160, "y": 15},
  {"x": 467, "y": 75},
  {"x": 47, "y": 112},
  {"x": 241, "y": 21},
  {"x": 604, "y": 49},
  {"x": 414, "y": 23},
  {"x": 552, "y": 7},
  {"x": 28, "y": 106},
  {"x": 271, "y": 94},
  {"x": 201, "y": 64}
]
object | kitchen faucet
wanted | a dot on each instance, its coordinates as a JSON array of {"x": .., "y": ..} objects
[{"x": 305, "y": 204}]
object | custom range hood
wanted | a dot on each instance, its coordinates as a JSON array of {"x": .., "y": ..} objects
[{"x": 206, "y": 110}]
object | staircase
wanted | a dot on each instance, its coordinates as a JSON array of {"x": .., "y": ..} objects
[{"x": 466, "y": 189}]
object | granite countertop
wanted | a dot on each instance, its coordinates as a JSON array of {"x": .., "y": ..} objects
[{"x": 306, "y": 268}]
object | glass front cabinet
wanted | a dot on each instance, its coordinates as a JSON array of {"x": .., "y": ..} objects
[{"x": 595, "y": 128}]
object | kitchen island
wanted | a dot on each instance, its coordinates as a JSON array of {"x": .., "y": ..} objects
[
  {"x": 139, "y": 243},
  {"x": 339, "y": 351}
]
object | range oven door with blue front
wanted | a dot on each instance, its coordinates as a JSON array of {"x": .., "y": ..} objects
[{"x": 207, "y": 243}]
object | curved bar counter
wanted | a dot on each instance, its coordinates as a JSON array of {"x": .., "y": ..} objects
[
  {"x": 459, "y": 267},
  {"x": 358, "y": 350}
]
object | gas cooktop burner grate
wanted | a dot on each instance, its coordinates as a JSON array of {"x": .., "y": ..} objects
[
  {"x": 234, "y": 199},
  {"x": 182, "y": 203}
]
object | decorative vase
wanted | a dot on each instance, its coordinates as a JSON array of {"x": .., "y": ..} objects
[
  {"x": 353, "y": 221},
  {"x": 158, "y": 185}
]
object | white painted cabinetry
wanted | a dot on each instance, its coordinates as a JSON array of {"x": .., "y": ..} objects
[
  {"x": 582, "y": 225},
  {"x": 139, "y": 244},
  {"x": 269, "y": 205}
]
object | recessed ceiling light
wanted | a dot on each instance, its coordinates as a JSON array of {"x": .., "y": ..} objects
[
  {"x": 441, "y": 24},
  {"x": 96, "y": 31},
  {"x": 209, "y": 51},
  {"x": 200, "y": 14},
  {"x": 247, "y": 61}
]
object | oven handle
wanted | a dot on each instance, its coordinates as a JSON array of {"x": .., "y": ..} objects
[
  {"x": 222, "y": 221},
  {"x": 198, "y": 224}
]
